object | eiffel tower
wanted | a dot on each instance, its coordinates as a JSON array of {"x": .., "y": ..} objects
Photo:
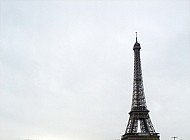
[{"x": 139, "y": 125}]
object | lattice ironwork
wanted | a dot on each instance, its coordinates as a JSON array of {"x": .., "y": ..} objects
[{"x": 139, "y": 120}]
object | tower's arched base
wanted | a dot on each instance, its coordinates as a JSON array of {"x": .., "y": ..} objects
[{"x": 140, "y": 136}]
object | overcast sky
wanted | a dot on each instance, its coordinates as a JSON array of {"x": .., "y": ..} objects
[{"x": 66, "y": 67}]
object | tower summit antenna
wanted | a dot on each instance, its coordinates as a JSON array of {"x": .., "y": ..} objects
[{"x": 136, "y": 36}]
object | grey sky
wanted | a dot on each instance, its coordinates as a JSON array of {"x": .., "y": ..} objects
[{"x": 66, "y": 67}]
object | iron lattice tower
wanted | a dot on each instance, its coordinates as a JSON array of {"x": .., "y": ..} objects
[{"x": 139, "y": 125}]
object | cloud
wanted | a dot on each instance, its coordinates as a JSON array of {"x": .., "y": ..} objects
[{"x": 66, "y": 67}]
